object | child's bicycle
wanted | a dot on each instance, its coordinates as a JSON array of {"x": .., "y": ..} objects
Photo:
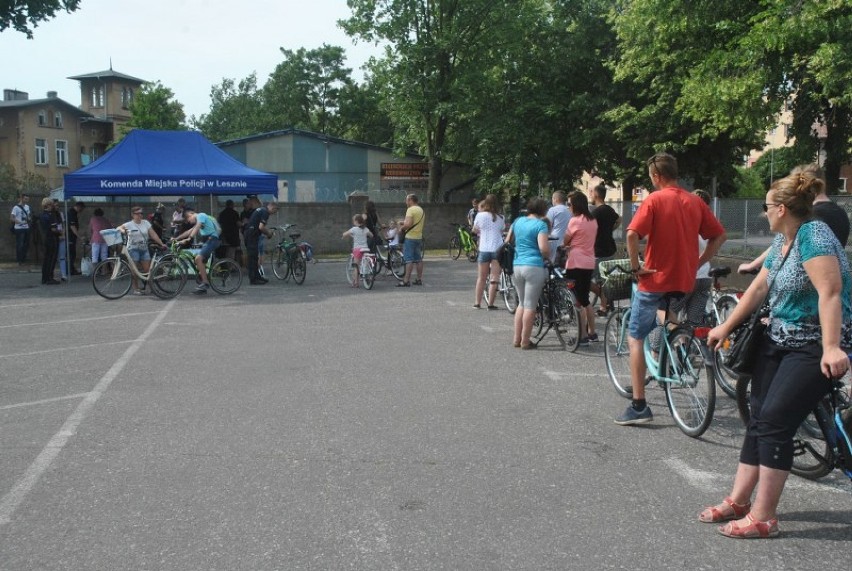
[
  {"x": 289, "y": 258},
  {"x": 464, "y": 240},
  {"x": 367, "y": 268},
  {"x": 824, "y": 440},
  {"x": 224, "y": 275},
  {"x": 113, "y": 277},
  {"x": 677, "y": 358}
]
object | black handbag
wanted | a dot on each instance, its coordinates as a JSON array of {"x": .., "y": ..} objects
[
  {"x": 744, "y": 350},
  {"x": 506, "y": 257}
]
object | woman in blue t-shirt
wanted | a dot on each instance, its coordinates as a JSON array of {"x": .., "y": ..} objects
[
  {"x": 810, "y": 322},
  {"x": 531, "y": 250}
]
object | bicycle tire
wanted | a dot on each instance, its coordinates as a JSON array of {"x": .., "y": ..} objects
[
  {"x": 809, "y": 434},
  {"x": 617, "y": 352},
  {"x": 510, "y": 294},
  {"x": 350, "y": 270},
  {"x": 726, "y": 378},
  {"x": 567, "y": 317},
  {"x": 692, "y": 400},
  {"x": 112, "y": 279},
  {"x": 397, "y": 264},
  {"x": 473, "y": 252},
  {"x": 281, "y": 264},
  {"x": 167, "y": 278},
  {"x": 225, "y": 276},
  {"x": 455, "y": 248},
  {"x": 367, "y": 275},
  {"x": 299, "y": 268}
]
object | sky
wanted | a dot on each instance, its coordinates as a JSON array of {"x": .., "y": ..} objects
[{"x": 188, "y": 45}]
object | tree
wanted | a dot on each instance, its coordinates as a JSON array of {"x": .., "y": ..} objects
[
  {"x": 304, "y": 90},
  {"x": 25, "y": 15},
  {"x": 361, "y": 117},
  {"x": 235, "y": 110},
  {"x": 435, "y": 48},
  {"x": 153, "y": 108}
]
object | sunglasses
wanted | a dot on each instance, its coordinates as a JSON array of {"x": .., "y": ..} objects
[{"x": 766, "y": 207}]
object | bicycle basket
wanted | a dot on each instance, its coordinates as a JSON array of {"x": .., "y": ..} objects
[
  {"x": 616, "y": 284},
  {"x": 111, "y": 236}
]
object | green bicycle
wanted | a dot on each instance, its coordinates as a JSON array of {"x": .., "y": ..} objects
[
  {"x": 463, "y": 240},
  {"x": 677, "y": 359},
  {"x": 224, "y": 275},
  {"x": 289, "y": 258}
]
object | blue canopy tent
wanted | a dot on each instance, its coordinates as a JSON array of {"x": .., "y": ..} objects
[{"x": 159, "y": 163}]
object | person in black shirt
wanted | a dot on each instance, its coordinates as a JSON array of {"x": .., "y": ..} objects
[
  {"x": 605, "y": 248},
  {"x": 229, "y": 221},
  {"x": 73, "y": 233},
  {"x": 256, "y": 226}
]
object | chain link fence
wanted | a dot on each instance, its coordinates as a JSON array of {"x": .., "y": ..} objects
[{"x": 743, "y": 219}]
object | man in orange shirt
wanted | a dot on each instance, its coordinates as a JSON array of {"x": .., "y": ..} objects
[{"x": 671, "y": 220}]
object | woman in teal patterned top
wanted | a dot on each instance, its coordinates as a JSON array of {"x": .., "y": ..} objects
[{"x": 810, "y": 322}]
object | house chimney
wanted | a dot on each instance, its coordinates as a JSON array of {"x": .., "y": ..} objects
[
  {"x": 51, "y": 95},
  {"x": 15, "y": 95}
]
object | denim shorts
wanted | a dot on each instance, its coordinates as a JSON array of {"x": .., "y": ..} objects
[
  {"x": 209, "y": 247},
  {"x": 139, "y": 255},
  {"x": 486, "y": 257},
  {"x": 643, "y": 313},
  {"x": 412, "y": 251}
]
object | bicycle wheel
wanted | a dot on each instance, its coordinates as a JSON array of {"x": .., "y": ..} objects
[
  {"x": 473, "y": 252},
  {"x": 367, "y": 275},
  {"x": 397, "y": 264},
  {"x": 299, "y": 268},
  {"x": 725, "y": 377},
  {"x": 510, "y": 294},
  {"x": 692, "y": 398},
  {"x": 808, "y": 442},
  {"x": 280, "y": 264},
  {"x": 455, "y": 248},
  {"x": 112, "y": 279},
  {"x": 617, "y": 352},
  {"x": 567, "y": 317},
  {"x": 167, "y": 278},
  {"x": 225, "y": 276},
  {"x": 350, "y": 270}
]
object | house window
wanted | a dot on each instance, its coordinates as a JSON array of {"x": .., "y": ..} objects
[
  {"x": 40, "y": 152},
  {"x": 843, "y": 185},
  {"x": 62, "y": 153},
  {"x": 98, "y": 96},
  {"x": 94, "y": 154},
  {"x": 57, "y": 120},
  {"x": 42, "y": 118}
]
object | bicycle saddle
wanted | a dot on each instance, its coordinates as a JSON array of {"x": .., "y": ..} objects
[
  {"x": 294, "y": 235},
  {"x": 720, "y": 271}
]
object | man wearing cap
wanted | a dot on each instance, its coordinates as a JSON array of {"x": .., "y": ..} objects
[{"x": 204, "y": 226}]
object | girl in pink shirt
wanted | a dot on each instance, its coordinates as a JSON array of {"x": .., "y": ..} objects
[{"x": 580, "y": 239}]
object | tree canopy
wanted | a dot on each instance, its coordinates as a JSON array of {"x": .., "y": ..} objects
[{"x": 24, "y": 15}]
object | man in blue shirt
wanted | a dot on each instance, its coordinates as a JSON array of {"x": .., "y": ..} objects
[{"x": 206, "y": 227}]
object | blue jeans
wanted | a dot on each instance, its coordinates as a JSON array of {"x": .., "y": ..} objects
[
  {"x": 412, "y": 251},
  {"x": 22, "y": 241},
  {"x": 643, "y": 313}
]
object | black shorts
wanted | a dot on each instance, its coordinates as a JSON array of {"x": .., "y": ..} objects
[{"x": 582, "y": 282}]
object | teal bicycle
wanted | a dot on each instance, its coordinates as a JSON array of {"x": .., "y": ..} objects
[{"x": 678, "y": 360}]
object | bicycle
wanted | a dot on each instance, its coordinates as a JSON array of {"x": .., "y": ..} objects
[
  {"x": 224, "y": 275},
  {"x": 289, "y": 258},
  {"x": 506, "y": 289},
  {"x": 367, "y": 268},
  {"x": 720, "y": 305},
  {"x": 392, "y": 260},
  {"x": 823, "y": 441},
  {"x": 463, "y": 240},
  {"x": 113, "y": 277},
  {"x": 557, "y": 310},
  {"x": 678, "y": 362}
]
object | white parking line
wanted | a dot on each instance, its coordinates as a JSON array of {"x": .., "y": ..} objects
[
  {"x": 10, "y": 502},
  {"x": 70, "y": 348},
  {"x": 75, "y": 320},
  {"x": 43, "y": 401}
]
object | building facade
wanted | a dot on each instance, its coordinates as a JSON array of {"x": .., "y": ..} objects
[{"x": 50, "y": 137}]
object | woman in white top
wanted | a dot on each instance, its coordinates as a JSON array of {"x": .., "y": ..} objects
[{"x": 488, "y": 224}]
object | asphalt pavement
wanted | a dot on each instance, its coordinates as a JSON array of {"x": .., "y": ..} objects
[{"x": 320, "y": 427}]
